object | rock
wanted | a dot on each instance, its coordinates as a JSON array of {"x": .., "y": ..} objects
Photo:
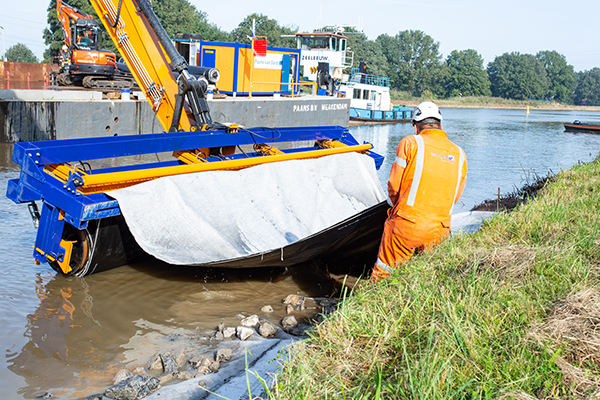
[
  {"x": 95, "y": 397},
  {"x": 299, "y": 330},
  {"x": 310, "y": 303},
  {"x": 221, "y": 326},
  {"x": 266, "y": 329},
  {"x": 203, "y": 366},
  {"x": 328, "y": 310},
  {"x": 180, "y": 357},
  {"x": 295, "y": 300},
  {"x": 185, "y": 375},
  {"x": 250, "y": 321},
  {"x": 154, "y": 363},
  {"x": 223, "y": 355},
  {"x": 288, "y": 322},
  {"x": 140, "y": 371},
  {"x": 202, "y": 384},
  {"x": 267, "y": 309},
  {"x": 122, "y": 375},
  {"x": 47, "y": 395},
  {"x": 169, "y": 363},
  {"x": 133, "y": 388},
  {"x": 200, "y": 359},
  {"x": 167, "y": 377},
  {"x": 228, "y": 332},
  {"x": 214, "y": 366},
  {"x": 289, "y": 309},
  {"x": 218, "y": 336},
  {"x": 244, "y": 332},
  {"x": 326, "y": 301}
]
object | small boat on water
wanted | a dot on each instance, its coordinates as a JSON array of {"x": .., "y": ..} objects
[
  {"x": 579, "y": 126},
  {"x": 370, "y": 100}
]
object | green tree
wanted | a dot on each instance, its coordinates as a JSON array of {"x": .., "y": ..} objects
[
  {"x": 180, "y": 16},
  {"x": 466, "y": 74},
  {"x": 517, "y": 76},
  {"x": 369, "y": 51},
  {"x": 20, "y": 53},
  {"x": 414, "y": 62},
  {"x": 562, "y": 79},
  {"x": 588, "y": 87},
  {"x": 264, "y": 26}
]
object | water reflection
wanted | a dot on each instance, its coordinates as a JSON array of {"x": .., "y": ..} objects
[{"x": 85, "y": 329}]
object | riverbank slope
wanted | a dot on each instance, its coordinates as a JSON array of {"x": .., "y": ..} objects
[{"x": 511, "y": 311}]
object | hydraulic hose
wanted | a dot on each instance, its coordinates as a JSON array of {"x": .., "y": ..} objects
[{"x": 177, "y": 60}]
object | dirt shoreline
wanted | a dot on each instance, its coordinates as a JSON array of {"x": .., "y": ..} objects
[{"x": 533, "y": 105}]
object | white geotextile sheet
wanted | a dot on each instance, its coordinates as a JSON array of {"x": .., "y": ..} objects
[{"x": 206, "y": 217}]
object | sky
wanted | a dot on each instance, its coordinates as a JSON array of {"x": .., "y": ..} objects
[{"x": 492, "y": 28}]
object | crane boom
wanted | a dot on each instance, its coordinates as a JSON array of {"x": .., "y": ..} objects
[
  {"x": 150, "y": 56},
  {"x": 65, "y": 13}
]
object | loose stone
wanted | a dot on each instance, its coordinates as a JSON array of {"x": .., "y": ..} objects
[
  {"x": 267, "y": 309},
  {"x": 266, "y": 329},
  {"x": 155, "y": 363},
  {"x": 218, "y": 336},
  {"x": 300, "y": 330},
  {"x": 250, "y": 321},
  {"x": 140, "y": 371},
  {"x": 244, "y": 332},
  {"x": 214, "y": 366},
  {"x": 288, "y": 322},
  {"x": 180, "y": 357},
  {"x": 185, "y": 375},
  {"x": 122, "y": 375},
  {"x": 289, "y": 309},
  {"x": 223, "y": 355},
  {"x": 228, "y": 332},
  {"x": 166, "y": 378},
  {"x": 169, "y": 363},
  {"x": 133, "y": 388},
  {"x": 221, "y": 326},
  {"x": 295, "y": 301}
]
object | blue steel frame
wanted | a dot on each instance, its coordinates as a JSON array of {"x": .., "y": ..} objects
[{"x": 62, "y": 203}]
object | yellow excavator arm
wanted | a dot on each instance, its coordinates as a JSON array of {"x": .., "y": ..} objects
[{"x": 135, "y": 30}]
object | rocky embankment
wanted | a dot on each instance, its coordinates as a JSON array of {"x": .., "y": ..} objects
[{"x": 189, "y": 374}]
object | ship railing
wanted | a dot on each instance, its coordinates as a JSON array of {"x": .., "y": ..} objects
[{"x": 358, "y": 77}]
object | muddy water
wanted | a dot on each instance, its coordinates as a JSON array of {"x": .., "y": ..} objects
[{"x": 69, "y": 336}]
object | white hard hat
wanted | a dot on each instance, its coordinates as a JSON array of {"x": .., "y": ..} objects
[{"x": 426, "y": 110}]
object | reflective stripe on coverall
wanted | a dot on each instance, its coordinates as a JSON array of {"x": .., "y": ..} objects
[{"x": 427, "y": 178}]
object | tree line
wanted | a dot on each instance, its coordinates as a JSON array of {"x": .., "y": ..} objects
[{"x": 411, "y": 58}]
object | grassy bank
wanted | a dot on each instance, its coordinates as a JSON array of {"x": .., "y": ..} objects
[
  {"x": 403, "y": 98},
  {"x": 512, "y": 311}
]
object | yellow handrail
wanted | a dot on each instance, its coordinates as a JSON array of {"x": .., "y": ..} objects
[{"x": 100, "y": 183}]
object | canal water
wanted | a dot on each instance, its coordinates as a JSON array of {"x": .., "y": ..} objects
[{"x": 69, "y": 336}]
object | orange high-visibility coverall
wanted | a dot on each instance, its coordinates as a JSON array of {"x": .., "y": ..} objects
[{"x": 427, "y": 178}]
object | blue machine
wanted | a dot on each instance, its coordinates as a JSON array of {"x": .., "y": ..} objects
[{"x": 81, "y": 229}]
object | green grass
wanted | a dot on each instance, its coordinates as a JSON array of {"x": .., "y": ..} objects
[{"x": 476, "y": 317}]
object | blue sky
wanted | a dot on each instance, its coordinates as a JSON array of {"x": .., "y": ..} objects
[{"x": 489, "y": 27}]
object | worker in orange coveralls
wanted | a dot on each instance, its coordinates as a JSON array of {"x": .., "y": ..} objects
[{"x": 427, "y": 178}]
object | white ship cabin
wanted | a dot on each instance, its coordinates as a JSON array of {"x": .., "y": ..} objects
[
  {"x": 368, "y": 92},
  {"x": 324, "y": 47}
]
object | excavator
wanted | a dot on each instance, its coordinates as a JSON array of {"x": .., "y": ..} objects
[
  {"x": 81, "y": 62},
  {"x": 259, "y": 197}
]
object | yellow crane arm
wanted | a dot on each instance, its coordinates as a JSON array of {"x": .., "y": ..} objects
[{"x": 143, "y": 53}]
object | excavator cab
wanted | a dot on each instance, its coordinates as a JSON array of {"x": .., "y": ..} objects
[{"x": 86, "y": 33}]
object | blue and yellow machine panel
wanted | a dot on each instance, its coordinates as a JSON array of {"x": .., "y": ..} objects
[{"x": 242, "y": 72}]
